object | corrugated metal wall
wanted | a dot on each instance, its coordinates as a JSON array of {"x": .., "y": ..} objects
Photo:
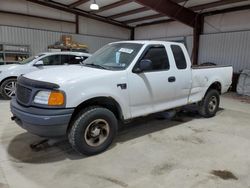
[
  {"x": 187, "y": 40},
  {"x": 231, "y": 48},
  {"x": 167, "y": 30},
  {"x": 226, "y": 40},
  {"x": 40, "y": 39}
]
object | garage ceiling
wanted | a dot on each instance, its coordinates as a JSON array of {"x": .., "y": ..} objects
[{"x": 131, "y": 13}]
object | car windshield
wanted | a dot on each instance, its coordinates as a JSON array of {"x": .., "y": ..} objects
[
  {"x": 116, "y": 56},
  {"x": 30, "y": 59}
]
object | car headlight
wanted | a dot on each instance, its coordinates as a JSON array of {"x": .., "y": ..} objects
[{"x": 50, "y": 98}]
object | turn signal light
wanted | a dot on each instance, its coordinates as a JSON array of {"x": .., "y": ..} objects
[{"x": 56, "y": 98}]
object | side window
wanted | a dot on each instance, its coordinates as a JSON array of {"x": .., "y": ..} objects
[
  {"x": 65, "y": 59},
  {"x": 159, "y": 58},
  {"x": 179, "y": 57},
  {"x": 51, "y": 60},
  {"x": 75, "y": 60}
]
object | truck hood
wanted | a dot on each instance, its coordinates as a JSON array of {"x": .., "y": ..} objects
[
  {"x": 8, "y": 67},
  {"x": 66, "y": 74}
]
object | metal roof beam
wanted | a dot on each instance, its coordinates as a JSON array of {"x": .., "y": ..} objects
[
  {"x": 215, "y": 4},
  {"x": 209, "y": 5},
  {"x": 77, "y": 3},
  {"x": 172, "y": 10},
  {"x": 138, "y": 10},
  {"x": 227, "y": 10},
  {"x": 65, "y": 8}
]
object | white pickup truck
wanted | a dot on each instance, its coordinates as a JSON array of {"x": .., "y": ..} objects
[{"x": 121, "y": 81}]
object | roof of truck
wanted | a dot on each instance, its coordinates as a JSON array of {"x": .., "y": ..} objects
[
  {"x": 66, "y": 53},
  {"x": 148, "y": 42}
]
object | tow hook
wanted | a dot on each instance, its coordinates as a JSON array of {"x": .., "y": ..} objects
[{"x": 13, "y": 118}]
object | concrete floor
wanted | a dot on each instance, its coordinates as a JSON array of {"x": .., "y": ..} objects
[{"x": 147, "y": 153}]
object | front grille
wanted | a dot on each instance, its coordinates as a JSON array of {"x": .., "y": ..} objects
[{"x": 23, "y": 94}]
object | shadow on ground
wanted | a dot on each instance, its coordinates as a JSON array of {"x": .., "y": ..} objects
[{"x": 19, "y": 147}]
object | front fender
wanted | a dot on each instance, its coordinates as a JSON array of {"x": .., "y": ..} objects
[{"x": 123, "y": 102}]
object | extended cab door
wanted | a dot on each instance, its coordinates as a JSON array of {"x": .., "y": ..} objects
[
  {"x": 153, "y": 90},
  {"x": 182, "y": 72}
]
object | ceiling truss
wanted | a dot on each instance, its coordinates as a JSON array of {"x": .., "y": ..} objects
[{"x": 173, "y": 9}]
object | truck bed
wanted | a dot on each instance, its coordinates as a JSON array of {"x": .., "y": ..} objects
[{"x": 204, "y": 76}]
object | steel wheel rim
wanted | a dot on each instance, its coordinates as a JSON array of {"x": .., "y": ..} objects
[
  {"x": 96, "y": 132},
  {"x": 10, "y": 89},
  {"x": 212, "y": 105}
]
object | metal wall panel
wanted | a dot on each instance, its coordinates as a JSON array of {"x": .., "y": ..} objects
[
  {"x": 233, "y": 21},
  {"x": 37, "y": 23},
  {"x": 22, "y": 6},
  {"x": 94, "y": 27},
  {"x": 40, "y": 39},
  {"x": 226, "y": 49},
  {"x": 172, "y": 29}
]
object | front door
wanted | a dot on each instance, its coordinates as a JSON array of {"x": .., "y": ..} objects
[{"x": 154, "y": 90}]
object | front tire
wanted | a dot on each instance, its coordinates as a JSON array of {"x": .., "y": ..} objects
[
  {"x": 93, "y": 130},
  {"x": 210, "y": 104},
  {"x": 8, "y": 88}
]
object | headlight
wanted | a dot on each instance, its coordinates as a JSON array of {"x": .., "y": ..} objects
[{"x": 50, "y": 98}]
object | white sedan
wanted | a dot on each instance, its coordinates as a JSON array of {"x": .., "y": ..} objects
[{"x": 9, "y": 73}]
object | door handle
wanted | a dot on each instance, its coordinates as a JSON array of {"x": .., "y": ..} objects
[{"x": 171, "y": 79}]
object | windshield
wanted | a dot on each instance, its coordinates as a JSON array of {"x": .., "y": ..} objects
[
  {"x": 117, "y": 56},
  {"x": 28, "y": 60}
]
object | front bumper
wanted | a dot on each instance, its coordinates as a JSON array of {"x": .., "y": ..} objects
[{"x": 42, "y": 122}]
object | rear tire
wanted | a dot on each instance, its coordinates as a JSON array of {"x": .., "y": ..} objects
[
  {"x": 93, "y": 130},
  {"x": 8, "y": 87},
  {"x": 210, "y": 104}
]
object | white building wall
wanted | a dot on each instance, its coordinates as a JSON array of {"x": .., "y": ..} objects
[
  {"x": 97, "y": 28},
  {"x": 225, "y": 41},
  {"x": 172, "y": 31},
  {"x": 37, "y": 23},
  {"x": 163, "y": 30},
  {"x": 228, "y": 22},
  {"x": 231, "y": 48},
  {"x": 40, "y": 39},
  {"x": 25, "y": 7},
  {"x": 39, "y": 33}
]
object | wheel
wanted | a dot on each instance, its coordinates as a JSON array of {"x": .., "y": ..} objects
[
  {"x": 210, "y": 104},
  {"x": 93, "y": 130},
  {"x": 8, "y": 88}
]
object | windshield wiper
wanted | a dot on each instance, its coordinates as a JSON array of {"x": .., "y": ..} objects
[{"x": 95, "y": 65}]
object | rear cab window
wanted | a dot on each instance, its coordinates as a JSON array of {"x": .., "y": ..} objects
[{"x": 179, "y": 57}]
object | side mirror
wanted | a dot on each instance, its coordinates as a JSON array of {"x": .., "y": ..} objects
[
  {"x": 144, "y": 65},
  {"x": 39, "y": 63}
]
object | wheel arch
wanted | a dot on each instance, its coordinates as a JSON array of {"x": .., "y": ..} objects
[
  {"x": 103, "y": 101},
  {"x": 215, "y": 85},
  {"x": 10, "y": 77}
]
